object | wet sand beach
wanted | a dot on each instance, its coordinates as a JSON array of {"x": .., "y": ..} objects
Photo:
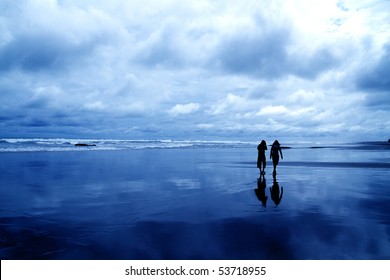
[{"x": 195, "y": 203}]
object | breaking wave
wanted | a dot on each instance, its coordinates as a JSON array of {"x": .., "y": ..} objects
[{"x": 62, "y": 144}]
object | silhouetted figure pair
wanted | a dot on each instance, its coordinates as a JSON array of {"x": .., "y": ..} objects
[
  {"x": 275, "y": 190},
  {"x": 274, "y": 155}
]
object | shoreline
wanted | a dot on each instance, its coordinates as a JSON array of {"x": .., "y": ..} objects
[{"x": 62, "y": 144}]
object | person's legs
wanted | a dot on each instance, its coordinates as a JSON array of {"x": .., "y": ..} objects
[{"x": 275, "y": 161}]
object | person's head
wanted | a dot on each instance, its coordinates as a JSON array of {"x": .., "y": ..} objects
[
  {"x": 263, "y": 143},
  {"x": 276, "y": 143}
]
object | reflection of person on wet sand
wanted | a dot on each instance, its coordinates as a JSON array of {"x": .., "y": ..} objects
[
  {"x": 276, "y": 194},
  {"x": 260, "y": 191},
  {"x": 274, "y": 154},
  {"x": 261, "y": 161}
]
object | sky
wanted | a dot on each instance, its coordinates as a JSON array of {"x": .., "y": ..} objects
[{"x": 203, "y": 70}]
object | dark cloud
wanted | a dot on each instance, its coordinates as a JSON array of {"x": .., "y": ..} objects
[
  {"x": 380, "y": 100},
  {"x": 35, "y": 103},
  {"x": 309, "y": 66},
  {"x": 39, "y": 51},
  {"x": 265, "y": 54},
  {"x": 260, "y": 54},
  {"x": 35, "y": 122},
  {"x": 377, "y": 78},
  {"x": 376, "y": 81}
]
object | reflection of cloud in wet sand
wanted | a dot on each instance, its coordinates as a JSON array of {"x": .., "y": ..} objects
[
  {"x": 324, "y": 164},
  {"x": 271, "y": 237},
  {"x": 184, "y": 183},
  {"x": 338, "y": 164}
]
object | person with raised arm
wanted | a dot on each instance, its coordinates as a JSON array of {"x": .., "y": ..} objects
[{"x": 274, "y": 154}]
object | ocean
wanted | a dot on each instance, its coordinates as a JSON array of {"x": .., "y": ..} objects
[{"x": 165, "y": 199}]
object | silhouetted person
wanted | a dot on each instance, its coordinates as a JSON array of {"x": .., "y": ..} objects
[
  {"x": 260, "y": 191},
  {"x": 274, "y": 154},
  {"x": 276, "y": 194},
  {"x": 261, "y": 161}
]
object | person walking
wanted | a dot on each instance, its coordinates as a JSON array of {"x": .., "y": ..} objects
[
  {"x": 261, "y": 159},
  {"x": 274, "y": 154}
]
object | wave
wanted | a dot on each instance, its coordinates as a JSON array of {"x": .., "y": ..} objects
[{"x": 63, "y": 144}]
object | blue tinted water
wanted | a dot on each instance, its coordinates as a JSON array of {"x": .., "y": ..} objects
[{"x": 195, "y": 203}]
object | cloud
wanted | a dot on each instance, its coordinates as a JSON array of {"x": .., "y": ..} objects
[
  {"x": 376, "y": 80},
  {"x": 256, "y": 49},
  {"x": 97, "y": 105},
  {"x": 265, "y": 47},
  {"x": 34, "y": 122},
  {"x": 271, "y": 110},
  {"x": 184, "y": 109},
  {"x": 213, "y": 68},
  {"x": 232, "y": 103},
  {"x": 310, "y": 66},
  {"x": 51, "y": 36}
]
